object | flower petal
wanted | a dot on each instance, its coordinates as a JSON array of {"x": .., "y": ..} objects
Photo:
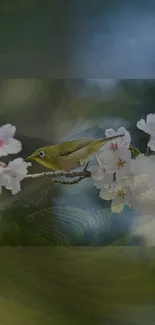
[
  {"x": 110, "y": 133},
  {"x": 104, "y": 180},
  {"x": 127, "y": 137},
  {"x": 150, "y": 118},
  {"x": 96, "y": 173},
  {"x": 8, "y": 130},
  {"x": 13, "y": 173},
  {"x": 151, "y": 145},
  {"x": 124, "y": 140},
  {"x": 141, "y": 125},
  {"x": 3, "y": 152},
  {"x": 14, "y": 186},
  {"x": 106, "y": 157},
  {"x": 117, "y": 207},
  {"x": 106, "y": 194},
  {"x": 19, "y": 165},
  {"x": 14, "y": 146},
  {"x": 124, "y": 171},
  {"x": 124, "y": 154}
]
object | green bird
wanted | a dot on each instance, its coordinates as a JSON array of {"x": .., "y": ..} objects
[{"x": 69, "y": 155}]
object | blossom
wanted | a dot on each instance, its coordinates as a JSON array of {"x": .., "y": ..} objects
[
  {"x": 142, "y": 182},
  {"x": 145, "y": 166},
  {"x": 118, "y": 142},
  {"x": 122, "y": 163},
  {"x": 113, "y": 163},
  {"x": 148, "y": 127},
  {"x": 151, "y": 143},
  {"x": 120, "y": 194},
  {"x": 8, "y": 145},
  {"x": 113, "y": 158},
  {"x": 13, "y": 173},
  {"x": 117, "y": 162},
  {"x": 100, "y": 176},
  {"x": 110, "y": 163}
]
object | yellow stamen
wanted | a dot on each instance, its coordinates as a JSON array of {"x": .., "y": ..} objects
[
  {"x": 121, "y": 193},
  {"x": 121, "y": 163}
]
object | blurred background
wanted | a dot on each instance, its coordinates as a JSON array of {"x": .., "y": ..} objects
[{"x": 77, "y": 39}]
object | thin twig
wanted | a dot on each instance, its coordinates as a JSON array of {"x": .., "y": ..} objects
[
  {"x": 61, "y": 181},
  {"x": 49, "y": 176}
]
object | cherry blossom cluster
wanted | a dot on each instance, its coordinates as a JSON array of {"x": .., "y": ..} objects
[
  {"x": 14, "y": 172},
  {"x": 121, "y": 176}
]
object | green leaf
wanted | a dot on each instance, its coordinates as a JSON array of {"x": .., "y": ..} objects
[{"x": 135, "y": 151}]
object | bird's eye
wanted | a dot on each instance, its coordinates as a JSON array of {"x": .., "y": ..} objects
[{"x": 41, "y": 154}]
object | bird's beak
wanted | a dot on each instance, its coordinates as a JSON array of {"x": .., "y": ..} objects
[{"x": 29, "y": 158}]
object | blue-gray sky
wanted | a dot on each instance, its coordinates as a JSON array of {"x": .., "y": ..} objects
[{"x": 78, "y": 39}]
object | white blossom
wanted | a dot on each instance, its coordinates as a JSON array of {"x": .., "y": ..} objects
[
  {"x": 113, "y": 158},
  {"x": 122, "y": 163},
  {"x": 148, "y": 127},
  {"x": 13, "y": 174},
  {"x": 145, "y": 166},
  {"x": 151, "y": 143},
  {"x": 100, "y": 176},
  {"x": 142, "y": 183},
  {"x": 118, "y": 142},
  {"x": 8, "y": 145},
  {"x": 117, "y": 162},
  {"x": 120, "y": 194}
]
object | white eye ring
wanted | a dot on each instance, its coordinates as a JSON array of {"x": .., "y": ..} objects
[{"x": 41, "y": 154}]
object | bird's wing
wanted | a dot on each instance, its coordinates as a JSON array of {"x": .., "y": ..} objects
[{"x": 72, "y": 146}]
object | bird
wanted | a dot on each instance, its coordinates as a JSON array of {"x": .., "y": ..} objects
[{"x": 69, "y": 155}]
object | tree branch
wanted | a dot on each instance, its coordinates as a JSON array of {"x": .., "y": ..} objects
[
  {"x": 61, "y": 181},
  {"x": 50, "y": 176}
]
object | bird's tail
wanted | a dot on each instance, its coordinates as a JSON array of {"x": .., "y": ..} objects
[{"x": 99, "y": 143}]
